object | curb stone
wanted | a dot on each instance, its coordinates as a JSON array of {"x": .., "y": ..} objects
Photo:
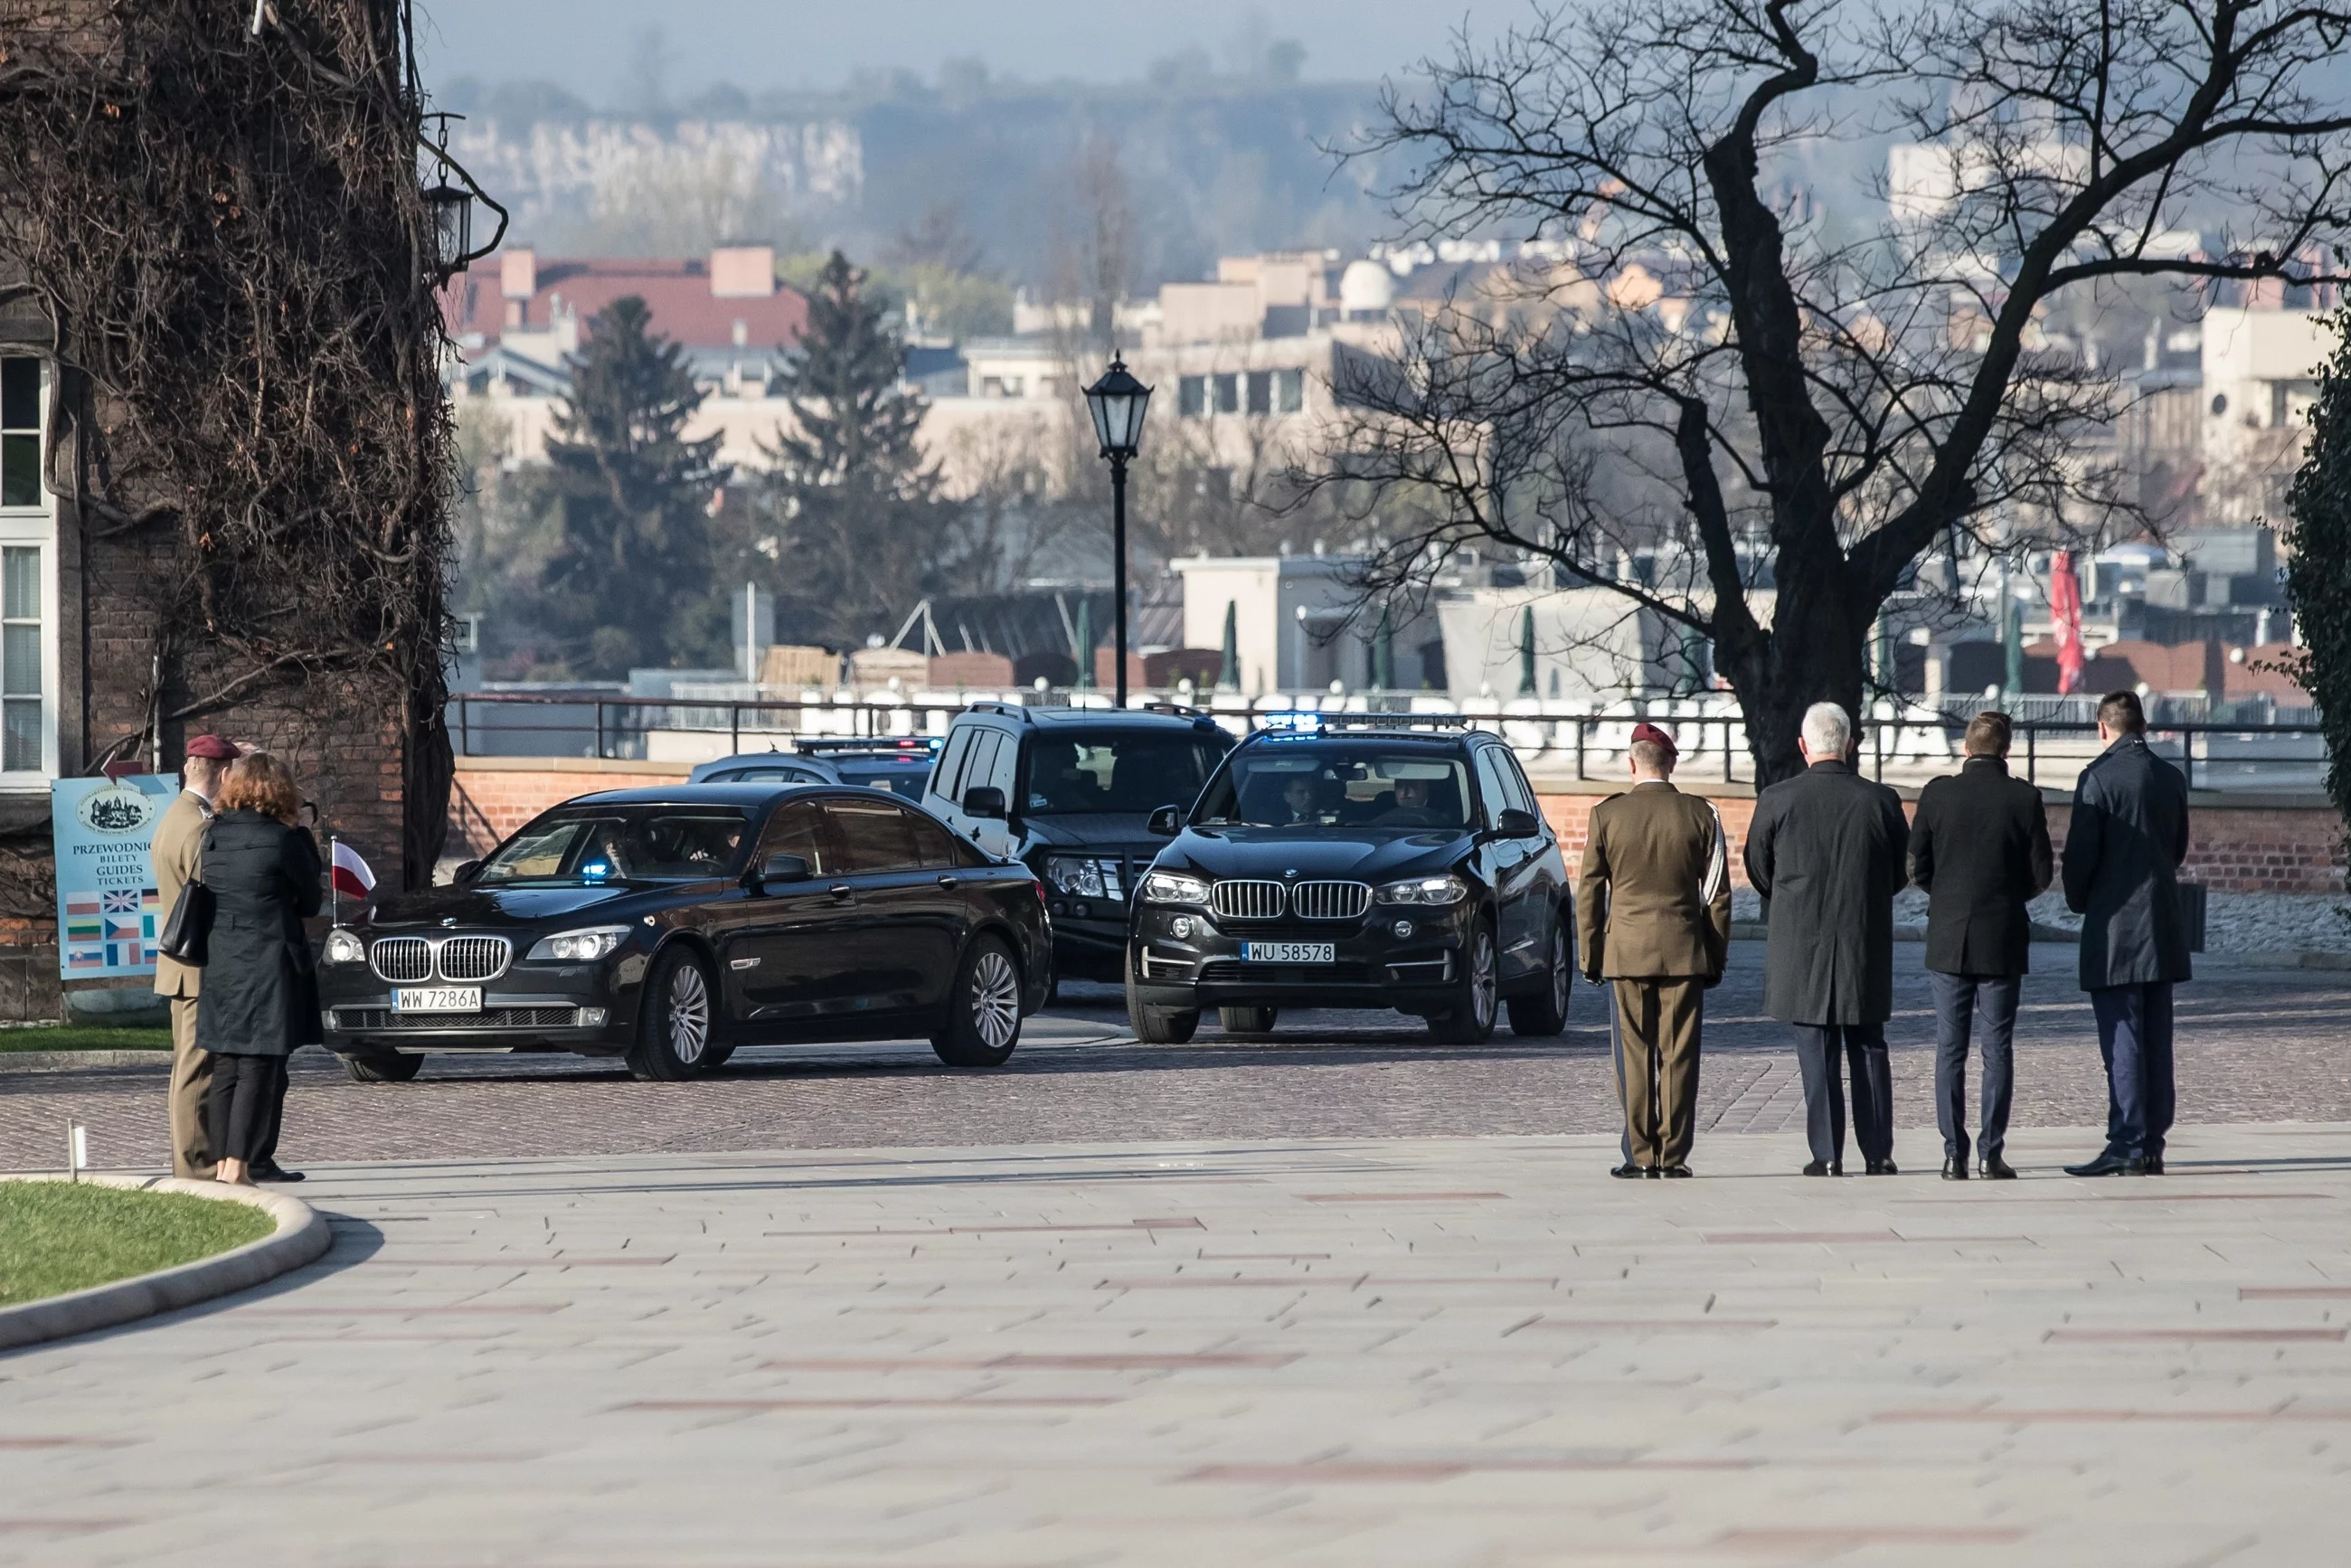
[
  {"x": 56, "y": 1060},
  {"x": 302, "y": 1236}
]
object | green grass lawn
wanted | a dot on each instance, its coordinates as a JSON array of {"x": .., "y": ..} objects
[
  {"x": 57, "y": 1237},
  {"x": 83, "y": 1037}
]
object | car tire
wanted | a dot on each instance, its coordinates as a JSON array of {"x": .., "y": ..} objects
[
  {"x": 675, "y": 1021},
  {"x": 714, "y": 1057},
  {"x": 1247, "y": 1021},
  {"x": 1159, "y": 1025},
  {"x": 982, "y": 1019},
  {"x": 381, "y": 1066},
  {"x": 1545, "y": 1014},
  {"x": 1476, "y": 996}
]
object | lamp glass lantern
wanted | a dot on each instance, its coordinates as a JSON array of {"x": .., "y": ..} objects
[
  {"x": 1117, "y": 402},
  {"x": 452, "y": 207}
]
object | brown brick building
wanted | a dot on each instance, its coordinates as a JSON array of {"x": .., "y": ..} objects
[{"x": 131, "y": 569}]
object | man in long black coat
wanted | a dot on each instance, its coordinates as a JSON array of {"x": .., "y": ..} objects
[
  {"x": 1979, "y": 846},
  {"x": 1826, "y": 850},
  {"x": 2123, "y": 851}
]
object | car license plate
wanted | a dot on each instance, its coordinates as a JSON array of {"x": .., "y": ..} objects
[
  {"x": 437, "y": 999},
  {"x": 1288, "y": 952}
]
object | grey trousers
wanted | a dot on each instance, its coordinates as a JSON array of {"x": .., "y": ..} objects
[
  {"x": 1818, "y": 1047},
  {"x": 1958, "y": 1000}
]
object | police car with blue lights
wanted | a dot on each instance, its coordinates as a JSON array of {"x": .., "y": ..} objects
[{"x": 1355, "y": 861}]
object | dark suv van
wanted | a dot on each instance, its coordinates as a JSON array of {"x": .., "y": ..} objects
[
  {"x": 1355, "y": 862},
  {"x": 1067, "y": 791}
]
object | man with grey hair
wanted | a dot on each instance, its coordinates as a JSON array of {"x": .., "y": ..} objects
[{"x": 1826, "y": 852}]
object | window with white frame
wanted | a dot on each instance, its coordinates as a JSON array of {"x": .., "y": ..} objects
[{"x": 28, "y": 653}]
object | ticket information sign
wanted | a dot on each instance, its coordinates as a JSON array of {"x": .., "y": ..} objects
[{"x": 109, "y": 911}]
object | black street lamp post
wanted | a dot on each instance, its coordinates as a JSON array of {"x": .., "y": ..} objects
[{"x": 1117, "y": 401}]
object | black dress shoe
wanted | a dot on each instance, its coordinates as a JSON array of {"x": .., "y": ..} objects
[
  {"x": 1671, "y": 1171},
  {"x": 1881, "y": 1167},
  {"x": 2152, "y": 1165},
  {"x": 1628, "y": 1171},
  {"x": 274, "y": 1171},
  {"x": 1955, "y": 1169},
  {"x": 1825, "y": 1167},
  {"x": 1994, "y": 1168},
  {"x": 2110, "y": 1163}
]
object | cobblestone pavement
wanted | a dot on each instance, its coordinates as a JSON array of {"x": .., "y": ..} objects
[
  {"x": 1445, "y": 1354},
  {"x": 2254, "y": 1046}
]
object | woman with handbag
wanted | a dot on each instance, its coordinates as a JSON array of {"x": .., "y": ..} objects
[{"x": 260, "y": 999}]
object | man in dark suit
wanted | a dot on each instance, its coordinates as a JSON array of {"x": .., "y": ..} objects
[
  {"x": 2123, "y": 851},
  {"x": 1826, "y": 850},
  {"x": 1979, "y": 846}
]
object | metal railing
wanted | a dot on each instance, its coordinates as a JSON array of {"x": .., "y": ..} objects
[{"x": 2215, "y": 754}]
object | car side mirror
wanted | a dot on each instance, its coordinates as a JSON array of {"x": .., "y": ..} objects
[
  {"x": 785, "y": 868},
  {"x": 1514, "y": 823},
  {"x": 465, "y": 873},
  {"x": 1168, "y": 821},
  {"x": 984, "y": 800}
]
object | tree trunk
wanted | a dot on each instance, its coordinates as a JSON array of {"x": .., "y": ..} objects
[{"x": 1814, "y": 651}]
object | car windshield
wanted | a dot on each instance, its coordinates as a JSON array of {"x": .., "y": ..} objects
[
  {"x": 1290, "y": 784},
  {"x": 1132, "y": 771},
  {"x": 584, "y": 845}
]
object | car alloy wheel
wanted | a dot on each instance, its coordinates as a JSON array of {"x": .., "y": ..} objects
[
  {"x": 1543, "y": 1013},
  {"x": 981, "y": 1021},
  {"x": 1470, "y": 1019},
  {"x": 1482, "y": 985},
  {"x": 995, "y": 1000},
  {"x": 689, "y": 1014},
  {"x": 674, "y": 1027}
]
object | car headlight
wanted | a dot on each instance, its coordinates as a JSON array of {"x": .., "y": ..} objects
[
  {"x": 1175, "y": 887},
  {"x": 1075, "y": 876},
  {"x": 1425, "y": 890},
  {"x": 342, "y": 947},
  {"x": 579, "y": 947}
]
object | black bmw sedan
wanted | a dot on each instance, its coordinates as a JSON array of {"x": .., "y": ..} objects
[
  {"x": 668, "y": 928},
  {"x": 1350, "y": 864}
]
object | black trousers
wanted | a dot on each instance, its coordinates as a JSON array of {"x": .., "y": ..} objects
[
  {"x": 246, "y": 1104},
  {"x": 1864, "y": 1044},
  {"x": 1959, "y": 999},
  {"x": 2135, "y": 1038}
]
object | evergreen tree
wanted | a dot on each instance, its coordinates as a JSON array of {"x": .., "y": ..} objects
[
  {"x": 629, "y": 580},
  {"x": 854, "y": 523},
  {"x": 2318, "y": 572}
]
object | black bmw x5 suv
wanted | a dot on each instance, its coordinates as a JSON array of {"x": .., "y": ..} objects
[{"x": 1359, "y": 862}]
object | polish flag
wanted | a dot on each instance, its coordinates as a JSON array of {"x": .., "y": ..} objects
[
  {"x": 349, "y": 874},
  {"x": 2065, "y": 613}
]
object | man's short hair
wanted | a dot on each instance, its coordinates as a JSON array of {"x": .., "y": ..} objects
[
  {"x": 1828, "y": 731},
  {"x": 1651, "y": 757},
  {"x": 2121, "y": 712},
  {"x": 1989, "y": 734}
]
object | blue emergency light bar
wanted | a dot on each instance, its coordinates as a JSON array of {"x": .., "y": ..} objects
[{"x": 1296, "y": 722}]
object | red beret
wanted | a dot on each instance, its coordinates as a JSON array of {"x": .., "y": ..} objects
[
  {"x": 214, "y": 748},
  {"x": 1655, "y": 736}
]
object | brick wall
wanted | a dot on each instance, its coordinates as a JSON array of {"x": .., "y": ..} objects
[
  {"x": 2254, "y": 846},
  {"x": 493, "y": 796}
]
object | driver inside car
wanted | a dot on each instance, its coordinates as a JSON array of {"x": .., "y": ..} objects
[{"x": 1411, "y": 809}]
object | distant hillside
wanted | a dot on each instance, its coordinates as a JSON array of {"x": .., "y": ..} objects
[{"x": 1207, "y": 168}]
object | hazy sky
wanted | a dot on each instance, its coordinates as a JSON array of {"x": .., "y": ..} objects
[{"x": 589, "y": 44}]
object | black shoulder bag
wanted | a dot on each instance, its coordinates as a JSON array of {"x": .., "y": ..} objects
[{"x": 188, "y": 930}]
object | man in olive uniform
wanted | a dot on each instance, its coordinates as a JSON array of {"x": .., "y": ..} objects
[
  {"x": 1653, "y": 913},
  {"x": 172, "y": 856}
]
